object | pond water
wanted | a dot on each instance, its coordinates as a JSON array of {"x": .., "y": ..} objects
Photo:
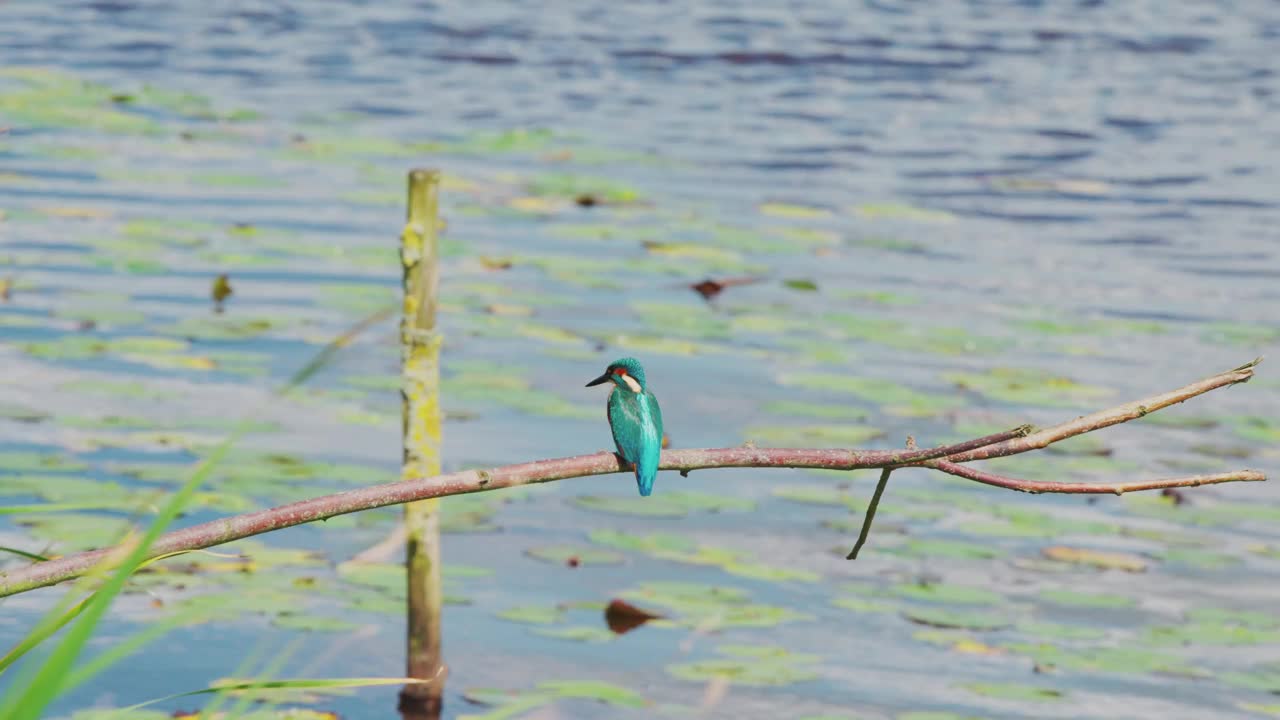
[{"x": 962, "y": 216}]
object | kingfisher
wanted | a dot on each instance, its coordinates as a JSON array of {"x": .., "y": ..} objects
[{"x": 635, "y": 419}]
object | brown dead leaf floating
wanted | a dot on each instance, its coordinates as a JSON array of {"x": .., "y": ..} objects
[
  {"x": 710, "y": 288},
  {"x": 622, "y": 617}
]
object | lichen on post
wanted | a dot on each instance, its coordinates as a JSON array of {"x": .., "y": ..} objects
[{"x": 420, "y": 387}]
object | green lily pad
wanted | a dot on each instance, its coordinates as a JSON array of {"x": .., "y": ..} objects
[
  {"x": 21, "y": 461},
  {"x": 573, "y": 555},
  {"x": 1101, "y": 659},
  {"x": 812, "y": 435},
  {"x": 954, "y": 549},
  {"x": 312, "y": 623},
  {"x": 899, "y": 211},
  {"x": 678, "y": 549},
  {"x": 665, "y": 504},
  {"x": 949, "y": 594},
  {"x": 708, "y": 606},
  {"x": 1022, "y": 386},
  {"x": 819, "y": 495},
  {"x": 1096, "y": 558},
  {"x": 1242, "y": 334},
  {"x": 1259, "y": 429},
  {"x": 893, "y": 398},
  {"x": 763, "y": 666},
  {"x": 1264, "y": 678},
  {"x": 1076, "y": 598},
  {"x": 794, "y": 211},
  {"x": 1014, "y": 691},
  {"x": 577, "y": 633},
  {"x": 533, "y": 614},
  {"x": 576, "y": 186},
  {"x": 816, "y": 410},
  {"x": 948, "y": 619}
]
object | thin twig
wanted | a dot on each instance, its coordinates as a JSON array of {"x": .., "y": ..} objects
[
  {"x": 1106, "y": 418},
  {"x": 871, "y": 513},
  {"x": 1037, "y": 487}
]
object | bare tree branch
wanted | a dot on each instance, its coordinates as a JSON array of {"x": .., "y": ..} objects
[{"x": 944, "y": 458}]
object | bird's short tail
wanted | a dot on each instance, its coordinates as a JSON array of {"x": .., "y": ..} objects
[{"x": 644, "y": 481}]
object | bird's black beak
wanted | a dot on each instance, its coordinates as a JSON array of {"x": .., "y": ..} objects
[{"x": 602, "y": 379}]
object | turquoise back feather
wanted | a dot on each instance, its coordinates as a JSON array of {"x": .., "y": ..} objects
[{"x": 636, "y": 422}]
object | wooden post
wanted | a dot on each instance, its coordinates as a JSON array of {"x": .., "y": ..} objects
[{"x": 420, "y": 355}]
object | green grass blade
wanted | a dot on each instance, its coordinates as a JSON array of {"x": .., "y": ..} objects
[
  {"x": 23, "y": 553},
  {"x": 50, "y": 679},
  {"x": 299, "y": 684}
]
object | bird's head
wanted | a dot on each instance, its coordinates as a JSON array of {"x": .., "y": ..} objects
[{"x": 626, "y": 373}]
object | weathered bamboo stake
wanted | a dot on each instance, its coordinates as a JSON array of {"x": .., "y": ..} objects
[
  {"x": 228, "y": 529},
  {"x": 420, "y": 356}
]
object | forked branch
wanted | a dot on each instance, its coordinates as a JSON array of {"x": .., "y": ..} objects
[{"x": 945, "y": 458}]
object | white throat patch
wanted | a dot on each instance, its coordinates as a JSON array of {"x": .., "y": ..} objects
[{"x": 631, "y": 383}]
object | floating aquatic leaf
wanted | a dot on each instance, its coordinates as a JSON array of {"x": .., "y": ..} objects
[
  {"x": 513, "y": 703},
  {"x": 1242, "y": 334},
  {"x": 1076, "y": 598},
  {"x": 946, "y": 593},
  {"x": 801, "y": 284},
  {"x": 1265, "y": 678},
  {"x": 863, "y": 605},
  {"x": 622, "y": 617},
  {"x": 533, "y": 614},
  {"x": 574, "y": 556},
  {"x": 671, "y": 547},
  {"x": 895, "y": 211},
  {"x": 955, "y": 549},
  {"x": 667, "y": 504},
  {"x": 216, "y": 327},
  {"x": 1209, "y": 633},
  {"x": 683, "y": 320},
  {"x": 896, "y": 399},
  {"x": 1096, "y": 558},
  {"x": 819, "y": 495},
  {"x": 811, "y": 435},
  {"x": 789, "y": 210},
  {"x": 505, "y": 385},
  {"x": 17, "y": 461},
  {"x": 1028, "y": 387},
  {"x": 763, "y": 666},
  {"x": 1102, "y": 659},
  {"x": 576, "y": 186},
  {"x": 312, "y": 623},
  {"x": 817, "y": 410},
  {"x": 708, "y": 606},
  {"x": 1014, "y": 691},
  {"x": 1259, "y": 429},
  {"x": 940, "y": 618},
  {"x": 576, "y": 633},
  {"x": 1205, "y": 559}
]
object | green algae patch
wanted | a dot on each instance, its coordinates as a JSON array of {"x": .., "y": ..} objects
[
  {"x": 1077, "y": 598},
  {"x": 1022, "y": 386},
  {"x": 1015, "y": 691},
  {"x": 674, "y": 503},
  {"x": 753, "y": 665},
  {"x": 519, "y": 703},
  {"x": 573, "y": 555},
  {"x": 812, "y": 435},
  {"x": 699, "y": 605},
  {"x": 893, "y": 398},
  {"x": 686, "y": 551}
]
